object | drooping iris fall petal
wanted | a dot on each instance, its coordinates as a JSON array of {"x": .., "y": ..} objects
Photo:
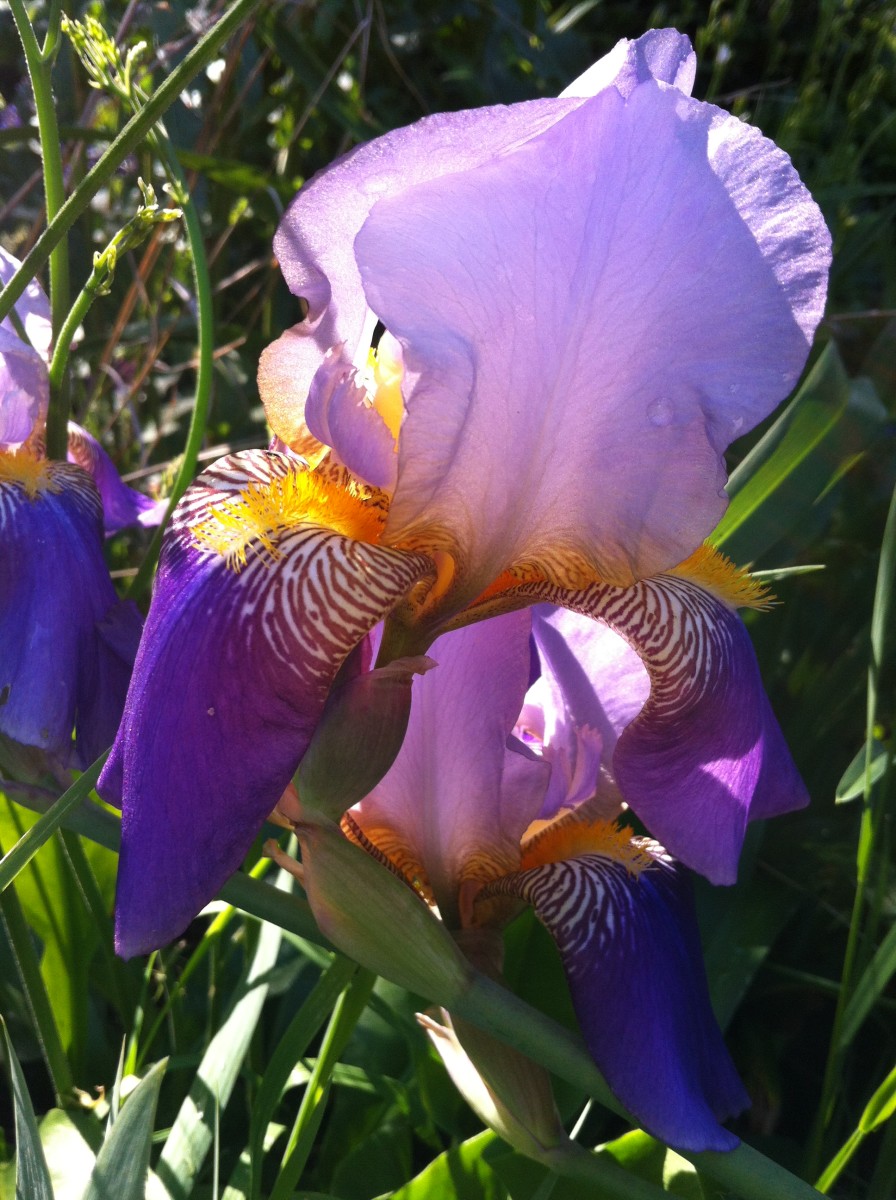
[
  {"x": 66, "y": 642},
  {"x": 122, "y": 506},
  {"x": 703, "y": 754},
  {"x": 254, "y": 610},
  {"x": 629, "y": 943}
]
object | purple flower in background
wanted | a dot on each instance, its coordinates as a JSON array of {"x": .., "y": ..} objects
[
  {"x": 475, "y": 821},
  {"x": 67, "y": 643},
  {"x": 585, "y": 300}
]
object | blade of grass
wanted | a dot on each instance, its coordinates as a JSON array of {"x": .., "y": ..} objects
[
  {"x": 123, "y": 1161},
  {"x": 32, "y": 1172},
  {"x": 192, "y": 1134},
  {"x": 869, "y": 988},
  {"x": 346, "y": 1015},
  {"x": 879, "y": 1109},
  {"x": 45, "y": 1028},
  {"x": 32, "y": 840},
  {"x": 294, "y": 1043},
  {"x": 868, "y": 839}
]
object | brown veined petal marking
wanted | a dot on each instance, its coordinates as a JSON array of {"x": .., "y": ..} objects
[{"x": 312, "y": 579}]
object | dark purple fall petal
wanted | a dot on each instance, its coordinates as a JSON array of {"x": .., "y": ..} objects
[
  {"x": 230, "y": 681},
  {"x": 122, "y": 506},
  {"x": 631, "y": 952},
  {"x": 66, "y": 641},
  {"x": 705, "y": 754}
]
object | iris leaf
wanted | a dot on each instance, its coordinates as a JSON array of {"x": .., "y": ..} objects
[
  {"x": 194, "y": 1127},
  {"x": 776, "y": 488},
  {"x": 32, "y": 1173},
  {"x": 461, "y": 1171},
  {"x": 35, "y": 837},
  {"x": 123, "y": 1160}
]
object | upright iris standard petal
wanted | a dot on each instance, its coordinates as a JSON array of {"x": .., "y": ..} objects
[
  {"x": 64, "y": 636},
  {"x": 631, "y": 951},
  {"x": 231, "y": 679},
  {"x": 587, "y": 322},
  {"x": 457, "y": 801},
  {"x": 592, "y": 685},
  {"x": 314, "y": 241},
  {"x": 32, "y": 308},
  {"x": 122, "y": 506},
  {"x": 705, "y": 754},
  {"x": 24, "y": 386},
  {"x": 662, "y": 54},
  {"x": 24, "y": 389},
  {"x": 338, "y": 413}
]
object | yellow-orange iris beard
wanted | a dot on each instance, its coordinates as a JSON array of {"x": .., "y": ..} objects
[
  {"x": 260, "y": 514},
  {"x": 34, "y": 475},
  {"x": 574, "y": 835},
  {"x": 715, "y": 571}
]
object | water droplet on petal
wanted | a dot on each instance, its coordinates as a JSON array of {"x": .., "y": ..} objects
[
  {"x": 660, "y": 412},
  {"x": 375, "y": 187}
]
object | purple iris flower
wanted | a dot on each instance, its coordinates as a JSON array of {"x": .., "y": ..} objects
[
  {"x": 461, "y": 816},
  {"x": 67, "y": 643},
  {"x": 586, "y": 299}
]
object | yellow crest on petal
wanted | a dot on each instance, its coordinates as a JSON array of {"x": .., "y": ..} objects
[
  {"x": 715, "y": 572},
  {"x": 261, "y": 512},
  {"x": 572, "y": 837},
  {"x": 31, "y": 473}
]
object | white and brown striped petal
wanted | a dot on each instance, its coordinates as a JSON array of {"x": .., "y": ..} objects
[{"x": 257, "y": 604}]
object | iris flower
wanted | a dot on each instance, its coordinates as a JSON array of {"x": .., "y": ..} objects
[
  {"x": 476, "y": 819},
  {"x": 67, "y": 643},
  {"x": 585, "y": 300}
]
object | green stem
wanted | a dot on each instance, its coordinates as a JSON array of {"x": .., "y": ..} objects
[
  {"x": 35, "y": 991},
  {"x": 40, "y": 71},
  {"x": 127, "y": 140},
  {"x": 63, "y": 344},
  {"x": 745, "y": 1171},
  {"x": 346, "y": 1015},
  {"x": 869, "y": 833},
  {"x": 205, "y": 354}
]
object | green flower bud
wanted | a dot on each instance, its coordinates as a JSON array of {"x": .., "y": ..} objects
[
  {"x": 358, "y": 737},
  {"x": 374, "y": 916}
]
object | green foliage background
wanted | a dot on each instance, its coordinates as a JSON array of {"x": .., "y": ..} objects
[{"x": 299, "y": 84}]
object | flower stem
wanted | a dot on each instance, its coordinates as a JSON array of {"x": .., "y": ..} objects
[
  {"x": 40, "y": 64},
  {"x": 127, "y": 140},
  {"x": 745, "y": 1171},
  {"x": 205, "y": 354}
]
